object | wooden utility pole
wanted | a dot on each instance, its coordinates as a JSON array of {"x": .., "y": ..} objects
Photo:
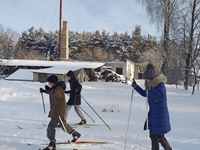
[{"x": 60, "y": 28}]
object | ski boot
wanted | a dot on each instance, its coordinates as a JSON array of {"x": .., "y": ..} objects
[
  {"x": 75, "y": 136},
  {"x": 51, "y": 146},
  {"x": 83, "y": 122}
]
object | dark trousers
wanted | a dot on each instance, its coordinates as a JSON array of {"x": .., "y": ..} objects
[
  {"x": 53, "y": 124},
  {"x": 159, "y": 139}
]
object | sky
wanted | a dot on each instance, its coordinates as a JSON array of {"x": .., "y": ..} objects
[{"x": 82, "y": 15}]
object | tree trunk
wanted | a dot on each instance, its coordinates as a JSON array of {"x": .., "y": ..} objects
[
  {"x": 187, "y": 72},
  {"x": 190, "y": 48},
  {"x": 195, "y": 80},
  {"x": 167, "y": 16}
]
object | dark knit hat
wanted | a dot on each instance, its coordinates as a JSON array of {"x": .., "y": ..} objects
[
  {"x": 70, "y": 73},
  {"x": 150, "y": 72},
  {"x": 52, "y": 79},
  {"x": 72, "y": 76}
]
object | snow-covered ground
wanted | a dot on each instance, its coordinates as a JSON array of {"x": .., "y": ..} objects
[{"x": 23, "y": 123}]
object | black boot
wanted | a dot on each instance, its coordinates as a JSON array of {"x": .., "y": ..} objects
[
  {"x": 51, "y": 146},
  {"x": 154, "y": 142},
  {"x": 82, "y": 122},
  {"x": 165, "y": 144},
  {"x": 75, "y": 136}
]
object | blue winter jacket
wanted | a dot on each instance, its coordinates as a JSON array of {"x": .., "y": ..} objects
[{"x": 158, "y": 116}]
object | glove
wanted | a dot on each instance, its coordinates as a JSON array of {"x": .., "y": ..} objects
[
  {"x": 42, "y": 90},
  {"x": 50, "y": 114},
  {"x": 134, "y": 84},
  {"x": 67, "y": 92},
  {"x": 145, "y": 125},
  {"x": 47, "y": 88}
]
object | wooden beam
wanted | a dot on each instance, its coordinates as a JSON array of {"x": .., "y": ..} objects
[{"x": 60, "y": 28}]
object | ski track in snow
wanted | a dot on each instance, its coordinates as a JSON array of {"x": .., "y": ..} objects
[{"x": 23, "y": 123}]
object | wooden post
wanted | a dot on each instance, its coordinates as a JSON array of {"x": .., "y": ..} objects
[{"x": 60, "y": 29}]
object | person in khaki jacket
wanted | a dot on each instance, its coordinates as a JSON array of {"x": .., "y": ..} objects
[{"x": 57, "y": 112}]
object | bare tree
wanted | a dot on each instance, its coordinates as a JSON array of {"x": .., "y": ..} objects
[
  {"x": 181, "y": 24},
  {"x": 162, "y": 12},
  {"x": 195, "y": 73},
  {"x": 193, "y": 48},
  {"x": 186, "y": 34}
]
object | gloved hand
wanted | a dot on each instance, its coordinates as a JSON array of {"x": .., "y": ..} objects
[
  {"x": 145, "y": 125},
  {"x": 47, "y": 88},
  {"x": 67, "y": 92},
  {"x": 42, "y": 90},
  {"x": 134, "y": 84}
]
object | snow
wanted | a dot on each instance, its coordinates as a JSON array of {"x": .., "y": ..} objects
[
  {"x": 68, "y": 67},
  {"x": 42, "y": 63},
  {"x": 55, "y": 67},
  {"x": 23, "y": 123},
  {"x": 21, "y": 74},
  {"x": 113, "y": 72}
]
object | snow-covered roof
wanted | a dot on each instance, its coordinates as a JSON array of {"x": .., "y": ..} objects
[
  {"x": 42, "y": 63},
  {"x": 21, "y": 74},
  {"x": 70, "y": 66},
  {"x": 55, "y": 68}
]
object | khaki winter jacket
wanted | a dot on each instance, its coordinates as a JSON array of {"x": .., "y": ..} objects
[{"x": 57, "y": 103}]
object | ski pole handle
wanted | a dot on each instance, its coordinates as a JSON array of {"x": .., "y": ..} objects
[{"x": 134, "y": 84}]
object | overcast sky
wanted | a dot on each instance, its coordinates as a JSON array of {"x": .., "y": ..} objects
[{"x": 82, "y": 15}]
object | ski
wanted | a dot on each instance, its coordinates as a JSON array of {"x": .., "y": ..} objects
[
  {"x": 76, "y": 125},
  {"x": 80, "y": 142}
]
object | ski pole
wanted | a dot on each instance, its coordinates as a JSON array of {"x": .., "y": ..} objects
[
  {"x": 62, "y": 123},
  {"x": 129, "y": 119},
  {"x": 147, "y": 118},
  {"x": 87, "y": 114},
  {"x": 64, "y": 128},
  {"x": 43, "y": 104},
  {"x": 92, "y": 108}
]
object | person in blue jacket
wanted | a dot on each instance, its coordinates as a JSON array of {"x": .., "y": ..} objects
[{"x": 158, "y": 121}]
